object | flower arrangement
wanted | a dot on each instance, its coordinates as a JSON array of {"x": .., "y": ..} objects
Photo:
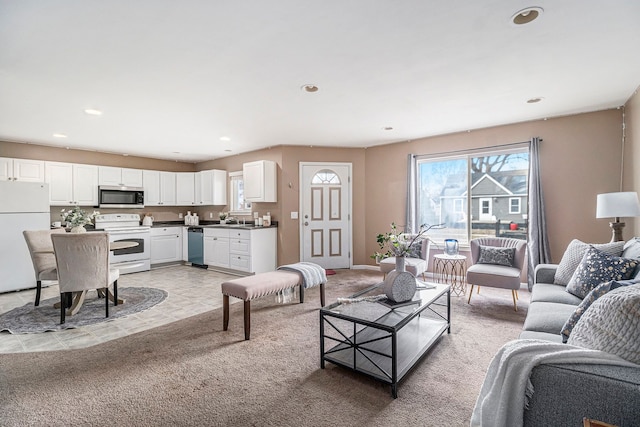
[
  {"x": 222, "y": 216},
  {"x": 399, "y": 244},
  {"x": 76, "y": 217}
]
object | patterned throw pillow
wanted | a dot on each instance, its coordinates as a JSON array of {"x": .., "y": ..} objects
[
  {"x": 632, "y": 250},
  {"x": 595, "y": 293},
  {"x": 599, "y": 267},
  {"x": 574, "y": 254},
  {"x": 497, "y": 255},
  {"x": 612, "y": 324},
  {"x": 415, "y": 250}
]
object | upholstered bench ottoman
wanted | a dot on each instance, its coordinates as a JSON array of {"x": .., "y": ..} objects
[{"x": 263, "y": 284}]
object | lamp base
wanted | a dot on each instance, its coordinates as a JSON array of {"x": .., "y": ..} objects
[{"x": 616, "y": 231}]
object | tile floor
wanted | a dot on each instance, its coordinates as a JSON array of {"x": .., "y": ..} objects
[{"x": 191, "y": 291}]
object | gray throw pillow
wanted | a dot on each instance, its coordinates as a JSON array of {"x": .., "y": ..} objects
[
  {"x": 595, "y": 293},
  {"x": 632, "y": 250},
  {"x": 415, "y": 250},
  {"x": 612, "y": 324},
  {"x": 574, "y": 254},
  {"x": 599, "y": 267},
  {"x": 497, "y": 255}
]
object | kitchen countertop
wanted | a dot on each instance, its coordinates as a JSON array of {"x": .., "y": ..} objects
[{"x": 214, "y": 224}]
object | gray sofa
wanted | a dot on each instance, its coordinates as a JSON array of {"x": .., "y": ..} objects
[{"x": 566, "y": 393}]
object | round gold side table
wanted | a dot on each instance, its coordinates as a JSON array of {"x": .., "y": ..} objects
[{"x": 451, "y": 269}]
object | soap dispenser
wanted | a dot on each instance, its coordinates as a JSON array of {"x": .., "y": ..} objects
[{"x": 187, "y": 218}]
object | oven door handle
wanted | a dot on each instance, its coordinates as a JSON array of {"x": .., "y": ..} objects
[{"x": 120, "y": 233}]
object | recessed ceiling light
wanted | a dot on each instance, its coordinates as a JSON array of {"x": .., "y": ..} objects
[
  {"x": 59, "y": 135},
  {"x": 93, "y": 112},
  {"x": 225, "y": 139},
  {"x": 309, "y": 88},
  {"x": 527, "y": 15},
  {"x": 534, "y": 100},
  {"x": 387, "y": 128},
  {"x": 228, "y": 151}
]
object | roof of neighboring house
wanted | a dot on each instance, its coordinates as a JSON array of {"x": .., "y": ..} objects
[{"x": 506, "y": 182}]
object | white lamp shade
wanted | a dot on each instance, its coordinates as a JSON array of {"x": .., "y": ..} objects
[{"x": 615, "y": 205}]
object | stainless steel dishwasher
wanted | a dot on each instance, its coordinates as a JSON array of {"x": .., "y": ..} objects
[{"x": 196, "y": 247}]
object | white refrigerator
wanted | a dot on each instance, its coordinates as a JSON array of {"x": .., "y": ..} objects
[{"x": 23, "y": 206}]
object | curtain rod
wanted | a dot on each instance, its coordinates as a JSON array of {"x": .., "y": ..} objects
[{"x": 475, "y": 150}]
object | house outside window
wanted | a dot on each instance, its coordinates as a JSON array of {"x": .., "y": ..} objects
[
  {"x": 473, "y": 194},
  {"x": 237, "y": 206},
  {"x": 514, "y": 205}
]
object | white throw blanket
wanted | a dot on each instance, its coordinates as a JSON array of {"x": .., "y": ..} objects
[
  {"x": 312, "y": 274},
  {"x": 507, "y": 388}
]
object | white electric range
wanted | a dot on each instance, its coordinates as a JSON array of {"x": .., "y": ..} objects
[{"x": 127, "y": 228}]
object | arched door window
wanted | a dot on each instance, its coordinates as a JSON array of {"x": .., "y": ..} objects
[{"x": 325, "y": 177}]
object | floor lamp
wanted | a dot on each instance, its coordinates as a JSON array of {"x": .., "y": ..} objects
[{"x": 617, "y": 205}]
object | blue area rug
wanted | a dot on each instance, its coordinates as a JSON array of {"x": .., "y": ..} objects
[{"x": 30, "y": 319}]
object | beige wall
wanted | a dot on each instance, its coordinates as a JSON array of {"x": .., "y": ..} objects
[
  {"x": 580, "y": 157},
  {"x": 632, "y": 156}
]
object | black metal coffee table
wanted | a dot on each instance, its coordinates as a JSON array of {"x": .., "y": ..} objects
[{"x": 382, "y": 340}]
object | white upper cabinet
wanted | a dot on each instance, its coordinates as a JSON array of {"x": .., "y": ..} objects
[
  {"x": 72, "y": 184},
  {"x": 211, "y": 187},
  {"x": 109, "y": 175},
  {"x": 159, "y": 188},
  {"x": 260, "y": 181},
  {"x": 21, "y": 170},
  {"x": 185, "y": 188}
]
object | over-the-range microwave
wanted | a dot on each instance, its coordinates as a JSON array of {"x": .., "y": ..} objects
[{"x": 110, "y": 196}]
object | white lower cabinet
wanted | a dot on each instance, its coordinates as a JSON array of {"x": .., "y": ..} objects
[
  {"x": 166, "y": 244},
  {"x": 246, "y": 251},
  {"x": 216, "y": 247}
]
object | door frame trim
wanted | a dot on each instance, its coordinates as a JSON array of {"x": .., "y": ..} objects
[{"x": 349, "y": 165}]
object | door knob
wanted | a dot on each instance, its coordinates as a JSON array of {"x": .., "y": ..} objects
[{"x": 306, "y": 223}]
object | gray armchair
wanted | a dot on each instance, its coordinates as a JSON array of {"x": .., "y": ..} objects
[
  {"x": 483, "y": 273},
  {"x": 42, "y": 257},
  {"x": 83, "y": 264},
  {"x": 415, "y": 266}
]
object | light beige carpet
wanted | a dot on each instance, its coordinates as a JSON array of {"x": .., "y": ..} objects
[{"x": 191, "y": 373}]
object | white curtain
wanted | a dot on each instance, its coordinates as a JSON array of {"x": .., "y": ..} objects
[{"x": 538, "y": 242}]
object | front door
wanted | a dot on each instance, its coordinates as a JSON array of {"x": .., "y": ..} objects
[
  {"x": 325, "y": 209},
  {"x": 486, "y": 209}
]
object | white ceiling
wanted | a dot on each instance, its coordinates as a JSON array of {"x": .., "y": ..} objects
[{"x": 173, "y": 77}]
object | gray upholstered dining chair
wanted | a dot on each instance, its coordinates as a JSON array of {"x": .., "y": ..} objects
[
  {"x": 42, "y": 256},
  {"x": 497, "y": 262},
  {"x": 83, "y": 264}
]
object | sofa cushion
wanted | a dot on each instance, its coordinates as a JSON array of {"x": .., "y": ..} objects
[
  {"x": 546, "y": 336},
  {"x": 631, "y": 250},
  {"x": 497, "y": 276},
  {"x": 547, "y": 317},
  {"x": 574, "y": 254},
  {"x": 612, "y": 324},
  {"x": 599, "y": 267},
  {"x": 496, "y": 255},
  {"x": 553, "y": 293}
]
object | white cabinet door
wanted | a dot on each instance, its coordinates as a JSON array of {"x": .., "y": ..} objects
[
  {"x": 260, "y": 181},
  {"x": 205, "y": 187},
  {"x": 216, "y": 247},
  {"x": 28, "y": 170},
  {"x": 219, "y": 187},
  {"x": 185, "y": 189},
  {"x": 21, "y": 170},
  {"x": 168, "y": 188},
  {"x": 109, "y": 175},
  {"x": 60, "y": 179},
  {"x": 151, "y": 184},
  {"x": 72, "y": 184},
  {"x": 132, "y": 177},
  {"x": 166, "y": 245},
  {"x": 159, "y": 188},
  {"x": 85, "y": 185}
]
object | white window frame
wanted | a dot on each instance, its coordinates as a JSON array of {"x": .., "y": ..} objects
[
  {"x": 234, "y": 177},
  {"x": 517, "y": 211}
]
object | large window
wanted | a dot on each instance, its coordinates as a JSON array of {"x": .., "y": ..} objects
[{"x": 474, "y": 194}]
